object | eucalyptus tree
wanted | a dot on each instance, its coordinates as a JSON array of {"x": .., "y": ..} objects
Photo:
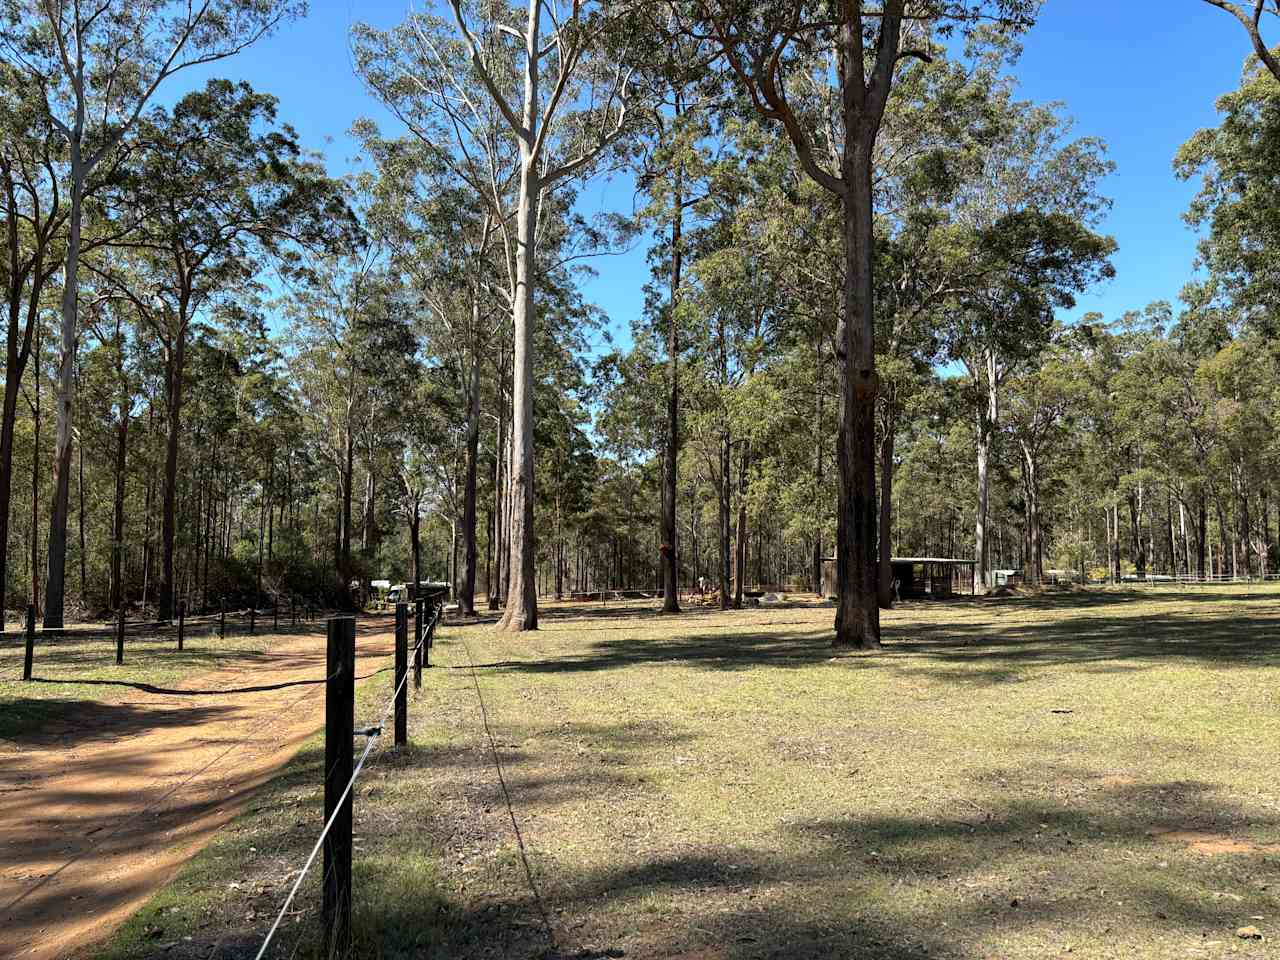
[
  {"x": 96, "y": 67},
  {"x": 1040, "y": 402},
  {"x": 1238, "y": 205},
  {"x": 442, "y": 238},
  {"x": 1251, "y": 14},
  {"x": 798, "y": 60},
  {"x": 560, "y": 84},
  {"x": 34, "y": 214},
  {"x": 1026, "y": 210},
  {"x": 223, "y": 186}
]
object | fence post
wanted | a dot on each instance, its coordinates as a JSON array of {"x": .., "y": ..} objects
[
  {"x": 275, "y": 612},
  {"x": 120, "y": 636},
  {"x": 436, "y": 606},
  {"x": 31, "y": 641},
  {"x": 401, "y": 674},
  {"x": 182, "y": 622},
  {"x": 293, "y": 610},
  {"x": 222, "y": 617},
  {"x": 253, "y": 618},
  {"x": 339, "y": 731},
  {"x": 417, "y": 643}
]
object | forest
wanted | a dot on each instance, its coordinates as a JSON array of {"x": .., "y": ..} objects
[{"x": 235, "y": 375}]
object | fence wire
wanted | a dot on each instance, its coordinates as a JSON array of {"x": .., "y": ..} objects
[{"x": 374, "y": 734}]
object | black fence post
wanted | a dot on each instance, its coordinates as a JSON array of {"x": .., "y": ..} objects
[
  {"x": 435, "y": 606},
  {"x": 222, "y": 617},
  {"x": 401, "y": 674},
  {"x": 253, "y": 619},
  {"x": 275, "y": 612},
  {"x": 31, "y": 641},
  {"x": 120, "y": 636},
  {"x": 339, "y": 732},
  {"x": 293, "y": 610},
  {"x": 417, "y": 643},
  {"x": 182, "y": 622}
]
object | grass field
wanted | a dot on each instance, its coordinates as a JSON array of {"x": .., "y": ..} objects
[
  {"x": 77, "y": 670},
  {"x": 1068, "y": 775}
]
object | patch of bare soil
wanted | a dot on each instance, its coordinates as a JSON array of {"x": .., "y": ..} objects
[
  {"x": 1210, "y": 844},
  {"x": 97, "y": 815}
]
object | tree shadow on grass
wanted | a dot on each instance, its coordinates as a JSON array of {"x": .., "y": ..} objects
[{"x": 968, "y": 650}]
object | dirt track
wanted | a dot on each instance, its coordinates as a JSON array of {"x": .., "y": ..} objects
[{"x": 96, "y": 815}]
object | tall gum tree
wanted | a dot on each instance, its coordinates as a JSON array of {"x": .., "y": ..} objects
[
  {"x": 97, "y": 66},
  {"x": 567, "y": 107},
  {"x": 773, "y": 49}
]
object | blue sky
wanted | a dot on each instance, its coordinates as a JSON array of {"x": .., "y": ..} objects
[{"x": 1141, "y": 74}]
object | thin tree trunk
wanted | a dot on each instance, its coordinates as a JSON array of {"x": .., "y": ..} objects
[
  {"x": 467, "y": 595},
  {"x": 740, "y": 538},
  {"x": 168, "y": 534},
  {"x": 671, "y": 452},
  {"x": 55, "y": 587},
  {"x": 885, "y": 578}
]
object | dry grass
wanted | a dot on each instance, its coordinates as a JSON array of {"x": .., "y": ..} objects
[{"x": 1063, "y": 775}]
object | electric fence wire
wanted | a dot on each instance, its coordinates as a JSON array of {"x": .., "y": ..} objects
[
  {"x": 373, "y": 734},
  {"x": 502, "y": 780}
]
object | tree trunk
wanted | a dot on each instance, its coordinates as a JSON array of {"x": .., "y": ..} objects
[
  {"x": 724, "y": 496},
  {"x": 170, "y": 500},
  {"x": 55, "y": 582},
  {"x": 885, "y": 579},
  {"x": 858, "y": 611},
  {"x": 117, "y": 524},
  {"x": 467, "y": 594},
  {"x": 522, "y": 601},
  {"x": 740, "y": 539},
  {"x": 671, "y": 453},
  {"x": 816, "y": 572},
  {"x": 499, "y": 487},
  {"x": 988, "y": 416}
]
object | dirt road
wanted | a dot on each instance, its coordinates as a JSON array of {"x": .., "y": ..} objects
[{"x": 97, "y": 814}]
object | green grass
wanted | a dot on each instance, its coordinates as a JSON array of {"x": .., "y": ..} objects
[
  {"x": 74, "y": 676},
  {"x": 999, "y": 782}
]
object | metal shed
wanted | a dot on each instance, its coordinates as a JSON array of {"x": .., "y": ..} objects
[{"x": 918, "y": 577}]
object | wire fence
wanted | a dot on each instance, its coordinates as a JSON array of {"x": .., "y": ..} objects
[{"x": 372, "y": 735}]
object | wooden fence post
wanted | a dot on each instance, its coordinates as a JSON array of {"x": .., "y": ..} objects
[
  {"x": 253, "y": 618},
  {"x": 275, "y": 612},
  {"x": 31, "y": 641},
  {"x": 182, "y": 622},
  {"x": 222, "y": 618},
  {"x": 120, "y": 636},
  {"x": 417, "y": 643},
  {"x": 339, "y": 732},
  {"x": 401, "y": 674},
  {"x": 293, "y": 610}
]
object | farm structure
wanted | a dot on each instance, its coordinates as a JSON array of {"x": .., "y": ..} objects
[{"x": 918, "y": 578}]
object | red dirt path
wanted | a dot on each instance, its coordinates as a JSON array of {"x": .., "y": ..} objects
[{"x": 96, "y": 816}]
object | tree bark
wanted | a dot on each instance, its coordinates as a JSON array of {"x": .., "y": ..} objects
[
  {"x": 671, "y": 453},
  {"x": 740, "y": 537},
  {"x": 522, "y": 598},
  {"x": 724, "y": 498},
  {"x": 988, "y": 417},
  {"x": 55, "y": 581},
  {"x": 467, "y": 594},
  {"x": 173, "y": 423},
  {"x": 885, "y": 579}
]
